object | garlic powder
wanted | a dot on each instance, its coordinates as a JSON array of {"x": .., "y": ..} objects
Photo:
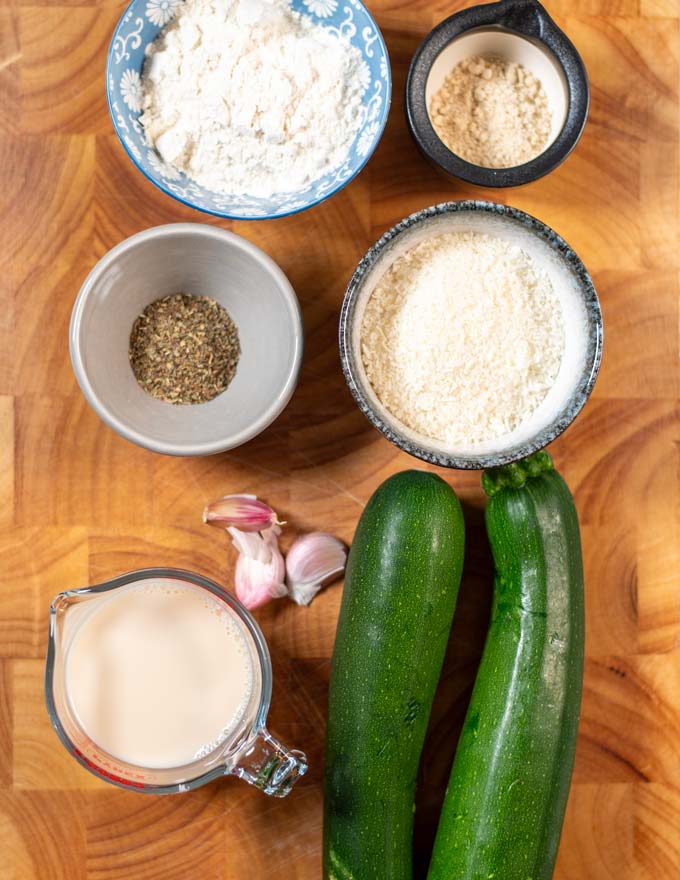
[{"x": 492, "y": 112}]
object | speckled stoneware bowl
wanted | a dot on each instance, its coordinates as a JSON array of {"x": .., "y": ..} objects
[
  {"x": 519, "y": 31},
  {"x": 582, "y": 354},
  {"x": 141, "y": 23}
]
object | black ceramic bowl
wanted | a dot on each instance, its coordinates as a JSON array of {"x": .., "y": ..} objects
[
  {"x": 583, "y": 349},
  {"x": 521, "y": 31}
]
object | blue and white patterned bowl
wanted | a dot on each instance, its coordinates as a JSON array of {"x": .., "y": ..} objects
[{"x": 140, "y": 25}]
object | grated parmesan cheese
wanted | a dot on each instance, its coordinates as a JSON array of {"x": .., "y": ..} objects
[{"x": 462, "y": 338}]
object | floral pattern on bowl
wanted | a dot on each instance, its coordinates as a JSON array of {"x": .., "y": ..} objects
[{"x": 140, "y": 25}]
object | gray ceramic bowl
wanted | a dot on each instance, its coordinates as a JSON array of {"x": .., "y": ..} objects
[
  {"x": 203, "y": 260},
  {"x": 583, "y": 351}
]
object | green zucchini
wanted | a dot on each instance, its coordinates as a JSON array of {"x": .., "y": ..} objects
[
  {"x": 401, "y": 586},
  {"x": 504, "y": 806}
]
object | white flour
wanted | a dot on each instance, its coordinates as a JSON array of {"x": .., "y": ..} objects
[{"x": 247, "y": 96}]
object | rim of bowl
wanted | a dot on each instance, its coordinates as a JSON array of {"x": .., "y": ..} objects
[
  {"x": 582, "y": 389},
  {"x": 233, "y": 216},
  {"x": 226, "y": 237},
  {"x": 491, "y": 16}
]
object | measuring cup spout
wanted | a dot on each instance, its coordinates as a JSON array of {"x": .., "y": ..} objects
[
  {"x": 63, "y": 602},
  {"x": 269, "y": 766}
]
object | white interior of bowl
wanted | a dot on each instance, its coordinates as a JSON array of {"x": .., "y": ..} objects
[
  {"x": 566, "y": 286},
  {"x": 201, "y": 260},
  {"x": 511, "y": 47}
]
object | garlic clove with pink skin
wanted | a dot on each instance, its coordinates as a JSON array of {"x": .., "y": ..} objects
[
  {"x": 313, "y": 561},
  {"x": 256, "y": 545},
  {"x": 260, "y": 569},
  {"x": 244, "y": 512},
  {"x": 256, "y": 583}
]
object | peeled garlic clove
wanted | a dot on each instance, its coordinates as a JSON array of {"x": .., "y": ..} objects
[
  {"x": 244, "y": 512},
  {"x": 312, "y": 561}
]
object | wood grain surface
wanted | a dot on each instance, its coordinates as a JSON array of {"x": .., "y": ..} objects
[{"x": 78, "y": 504}]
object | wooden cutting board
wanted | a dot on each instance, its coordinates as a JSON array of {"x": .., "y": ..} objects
[{"x": 78, "y": 504}]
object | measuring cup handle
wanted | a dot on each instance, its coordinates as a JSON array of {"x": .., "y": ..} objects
[{"x": 269, "y": 766}]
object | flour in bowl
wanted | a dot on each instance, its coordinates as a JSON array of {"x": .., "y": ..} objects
[{"x": 249, "y": 96}]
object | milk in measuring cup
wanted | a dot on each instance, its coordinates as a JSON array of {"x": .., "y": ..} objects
[{"x": 160, "y": 674}]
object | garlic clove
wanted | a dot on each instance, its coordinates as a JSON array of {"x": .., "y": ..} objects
[
  {"x": 260, "y": 569},
  {"x": 244, "y": 512},
  {"x": 249, "y": 544},
  {"x": 313, "y": 561},
  {"x": 256, "y": 545},
  {"x": 258, "y": 582}
]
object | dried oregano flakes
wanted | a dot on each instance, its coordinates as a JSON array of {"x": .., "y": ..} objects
[{"x": 184, "y": 349}]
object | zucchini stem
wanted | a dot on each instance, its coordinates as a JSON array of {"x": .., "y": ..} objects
[{"x": 515, "y": 475}]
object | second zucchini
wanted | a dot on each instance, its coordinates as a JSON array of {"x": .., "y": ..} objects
[{"x": 504, "y": 807}]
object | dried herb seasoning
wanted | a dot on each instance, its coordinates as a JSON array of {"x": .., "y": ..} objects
[{"x": 184, "y": 349}]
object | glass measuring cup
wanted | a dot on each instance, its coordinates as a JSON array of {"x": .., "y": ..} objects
[{"x": 249, "y": 752}]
